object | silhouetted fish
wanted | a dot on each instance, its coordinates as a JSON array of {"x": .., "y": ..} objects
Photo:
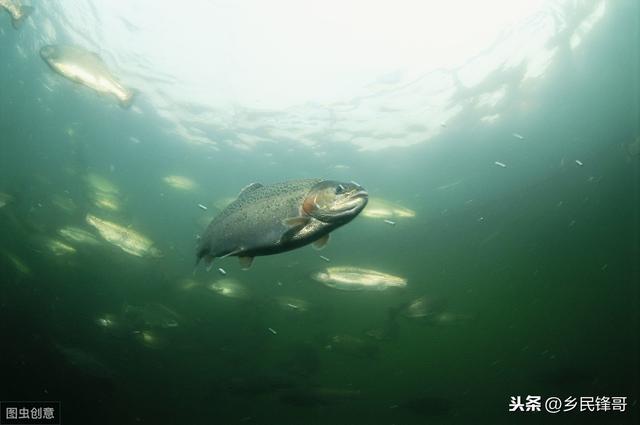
[
  {"x": 86, "y": 68},
  {"x": 17, "y": 11}
]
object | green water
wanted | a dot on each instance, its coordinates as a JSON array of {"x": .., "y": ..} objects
[{"x": 533, "y": 268}]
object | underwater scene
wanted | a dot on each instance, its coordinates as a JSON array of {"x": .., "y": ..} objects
[{"x": 296, "y": 212}]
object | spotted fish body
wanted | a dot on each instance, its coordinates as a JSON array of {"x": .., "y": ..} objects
[{"x": 266, "y": 220}]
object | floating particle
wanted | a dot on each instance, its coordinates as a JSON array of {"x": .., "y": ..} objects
[{"x": 500, "y": 164}]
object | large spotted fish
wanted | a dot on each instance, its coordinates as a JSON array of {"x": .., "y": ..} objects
[{"x": 271, "y": 219}]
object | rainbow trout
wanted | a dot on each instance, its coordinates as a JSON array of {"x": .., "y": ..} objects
[{"x": 266, "y": 220}]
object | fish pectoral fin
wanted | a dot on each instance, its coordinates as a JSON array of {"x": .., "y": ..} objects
[
  {"x": 322, "y": 242},
  {"x": 246, "y": 262},
  {"x": 208, "y": 261},
  {"x": 249, "y": 188},
  {"x": 232, "y": 253},
  {"x": 296, "y": 222},
  {"x": 294, "y": 225}
]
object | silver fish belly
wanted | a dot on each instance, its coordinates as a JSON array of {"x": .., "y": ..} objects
[{"x": 86, "y": 68}]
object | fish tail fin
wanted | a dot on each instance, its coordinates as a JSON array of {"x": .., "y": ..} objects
[
  {"x": 25, "y": 11},
  {"x": 127, "y": 100}
]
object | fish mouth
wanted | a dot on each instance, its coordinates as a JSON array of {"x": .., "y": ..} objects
[
  {"x": 359, "y": 199},
  {"x": 360, "y": 194}
]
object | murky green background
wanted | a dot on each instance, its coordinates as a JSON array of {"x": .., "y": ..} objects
[{"x": 531, "y": 271}]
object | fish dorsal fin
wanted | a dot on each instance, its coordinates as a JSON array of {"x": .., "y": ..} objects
[
  {"x": 245, "y": 262},
  {"x": 322, "y": 242},
  {"x": 294, "y": 225},
  {"x": 249, "y": 188}
]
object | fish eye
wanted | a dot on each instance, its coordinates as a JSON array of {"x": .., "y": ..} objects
[{"x": 340, "y": 189}]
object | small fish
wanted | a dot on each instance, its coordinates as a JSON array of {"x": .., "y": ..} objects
[
  {"x": 579, "y": 162},
  {"x": 272, "y": 331},
  {"x": 202, "y": 207},
  {"x": 180, "y": 182},
  {"x": 124, "y": 238},
  {"x": 500, "y": 164},
  {"x": 293, "y": 306},
  {"x": 86, "y": 68},
  {"x": 358, "y": 279},
  {"x": 381, "y": 208},
  {"x": 18, "y": 12},
  {"x": 443, "y": 124},
  {"x": 392, "y": 223},
  {"x": 222, "y": 271},
  {"x": 325, "y": 258},
  {"x": 230, "y": 288},
  {"x": 518, "y": 136}
]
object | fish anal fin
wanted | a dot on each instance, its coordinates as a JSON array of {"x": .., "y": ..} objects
[
  {"x": 322, "y": 242},
  {"x": 249, "y": 188},
  {"x": 245, "y": 262}
]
